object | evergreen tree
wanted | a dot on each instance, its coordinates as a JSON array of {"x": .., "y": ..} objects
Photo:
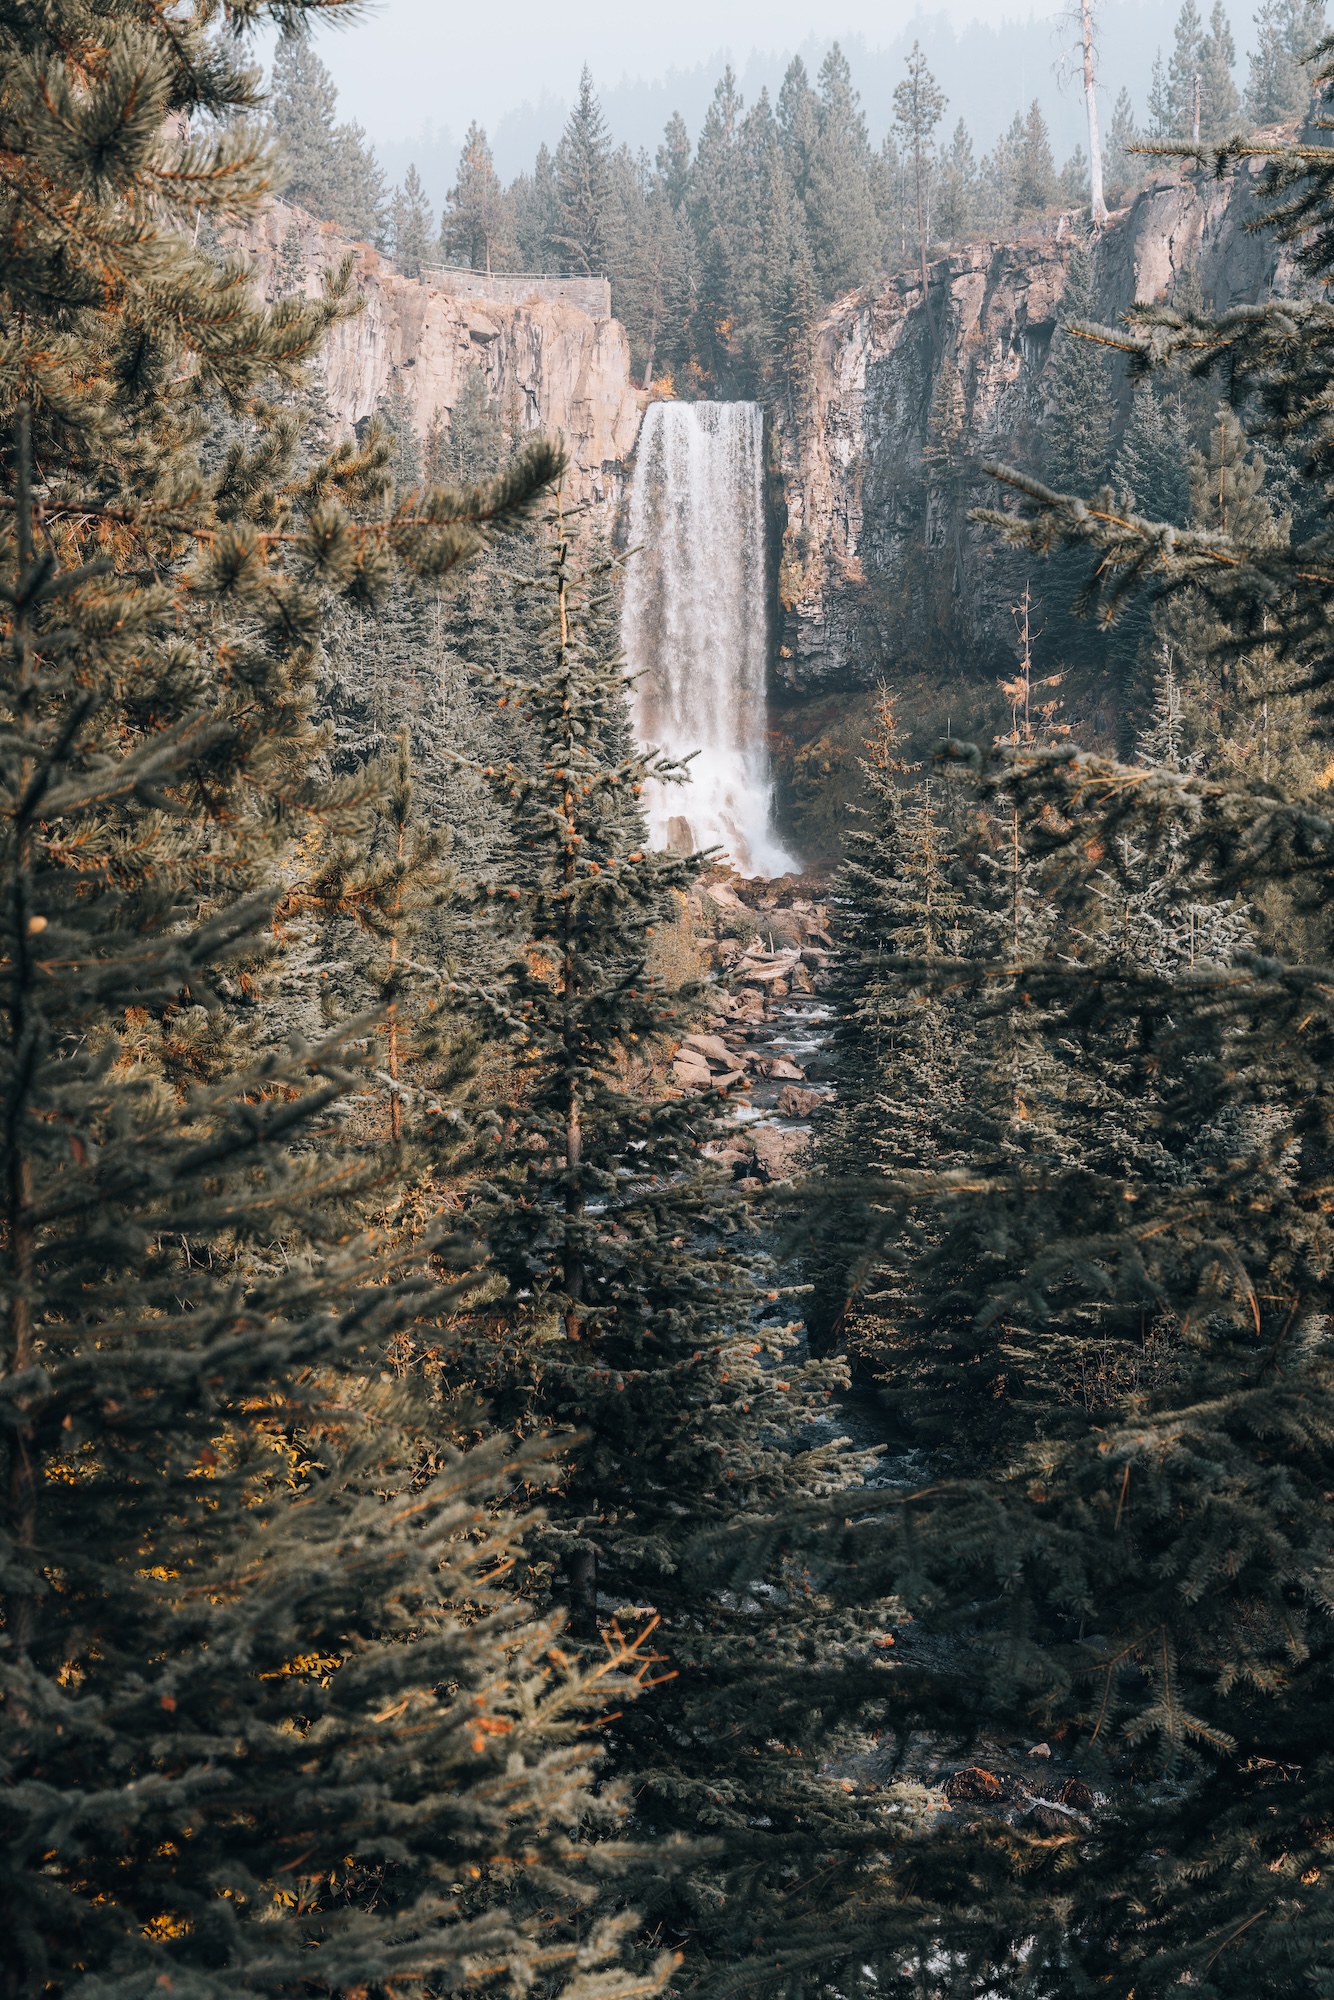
[
  {"x": 1286, "y": 32},
  {"x": 475, "y": 227},
  {"x": 1162, "y": 108},
  {"x": 583, "y": 185},
  {"x": 954, "y": 202},
  {"x": 1123, "y": 168},
  {"x": 536, "y": 214},
  {"x": 1152, "y": 459},
  {"x": 673, "y": 161},
  {"x": 1184, "y": 70},
  {"x": 1072, "y": 183},
  {"x": 264, "y": 1703},
  {"x": 919, "y": 106},
  {"x": 721, "y": 217},
  {"x": 412, "y": 225},
  {"x": 632, "y": 1321},
  {"x": 837, "y": 193},
  {"x": 1035, "y": 171},
  {"x": 1142, "y": 1578},
  {"x": 1220, "y": 106},
  {"x": 1078, "y": 389},
  {"x": 331, "y": 169},
  {"x": 649, "y": 264}
]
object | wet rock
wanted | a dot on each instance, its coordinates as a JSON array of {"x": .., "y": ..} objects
[{"x": 780, "y": 1069}]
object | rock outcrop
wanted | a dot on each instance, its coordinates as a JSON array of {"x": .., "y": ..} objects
[
  {"x": 860, "y": 505},
  {"x": 549, "y": 362}
]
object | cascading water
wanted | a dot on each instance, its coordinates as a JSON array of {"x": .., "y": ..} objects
[{"x": 696, "y": 627}]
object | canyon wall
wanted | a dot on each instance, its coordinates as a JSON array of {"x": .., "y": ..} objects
[
  {"x": 864, "y": 505},
  {"x": 550, "y": 362}
]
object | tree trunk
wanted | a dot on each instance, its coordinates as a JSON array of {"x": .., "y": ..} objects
[
  {"x": 921, "y": 247},
  {"x": 1099, "y": 205}
]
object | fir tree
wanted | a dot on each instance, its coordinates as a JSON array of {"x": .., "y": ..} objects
[
  {"x": 1172, "y": 1535},
  {"x": 536, "y": 212},
  {"x": 412, "y": 225},
  {"x": 583, "y": 185},
  {"x": 649, "y": 263},
  {"x": 474, "y": 229},
  {"x": 837, "y": 194},
  {"x": 632, "y": 1321},
  {"x": 265, "y": 1705},
  {"x": 331, "y": 168},
  {"x": 1123, "y": 168},
  {"x": 954, "y": 202},
  {"x": 1220, "y": 106},
  {"x": 1152, "y": 459},
  {"x": 919, "y": 106},
  {"x": 1184, "y": 72},
  {"x": 1286, "y": 33},
  {"x": 1072, "y": 183},
  {"x": 1078, "y": 389},
  {"x": 1035, "y": 170}
]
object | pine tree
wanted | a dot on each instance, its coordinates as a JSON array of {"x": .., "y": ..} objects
[
  {"x": 1077, "y": 387},
  {"x": 412, "y": 224},
  {"x": 583, "y": 184},
  {"x": 265, "y": 1703},
  {"x": 1152, "y": 459},
  {"x": 1035, "y": 170},
  {"x": 837, "y": 198},
  {"x": 720, "y": 213},
  {"x": 1183, "y": 71},
  {"x": 1286, "y": 32},
  {"x": 648, "y": 261},
  {"x": 1162, "y": 110},
  {"x": 536, "y": 214},
  {"x": 331, "y": 168},
  {"x": 475, "y": 227},
  {"x": 632, "y": 1321},
  {"x": 1123, "y": 168},
  {"x": 1220, "y": 106},
  {"x": 954, "y": 202},
  {"x": 1143, "y": 1576},
  {"x": 919, "y": 106}
]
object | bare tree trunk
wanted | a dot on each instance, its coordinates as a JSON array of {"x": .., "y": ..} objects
[
  {"x": 1091, "y": 101},
  {"x": 921, "y": 245}
]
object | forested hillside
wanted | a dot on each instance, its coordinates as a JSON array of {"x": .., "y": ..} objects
[
  {"x": 502, "y": 1491},
  {"x": 725, "y": 245}
]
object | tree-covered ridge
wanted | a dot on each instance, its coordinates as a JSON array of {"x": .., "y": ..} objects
[{"x": 721, "y": 251}]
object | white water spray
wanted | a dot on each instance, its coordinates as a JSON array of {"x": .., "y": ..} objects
[{"x": 696, "y": 628}]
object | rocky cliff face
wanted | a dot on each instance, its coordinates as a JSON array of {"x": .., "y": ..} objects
[
  {"x": 862, "y": 511},
  {"x": 550, "y": 363}
]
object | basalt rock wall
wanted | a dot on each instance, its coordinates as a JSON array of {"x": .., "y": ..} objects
[
  {"x": 876, "y": 532},
  {"x": 550, "y": 363}
]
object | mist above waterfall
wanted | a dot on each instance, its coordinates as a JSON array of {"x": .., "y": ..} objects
[{"x": 696, "y": 628}]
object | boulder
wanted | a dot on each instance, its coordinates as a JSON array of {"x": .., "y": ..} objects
[
  {"x": 777, "y": 1153},
  {"x": 712, "y": 1050},
  {"x": 693, "y": 1074},
  {"x": 794, "y": 1103},
  {"x": 784, "y": 1071}
]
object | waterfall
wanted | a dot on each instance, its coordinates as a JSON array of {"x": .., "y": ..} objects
[{"x": 696, "y": 627}]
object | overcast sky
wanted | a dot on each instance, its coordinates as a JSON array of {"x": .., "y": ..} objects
[{"x": 407, "y": 61}]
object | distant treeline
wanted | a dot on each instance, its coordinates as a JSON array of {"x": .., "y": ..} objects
[{"x": 721, "y": 254}]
